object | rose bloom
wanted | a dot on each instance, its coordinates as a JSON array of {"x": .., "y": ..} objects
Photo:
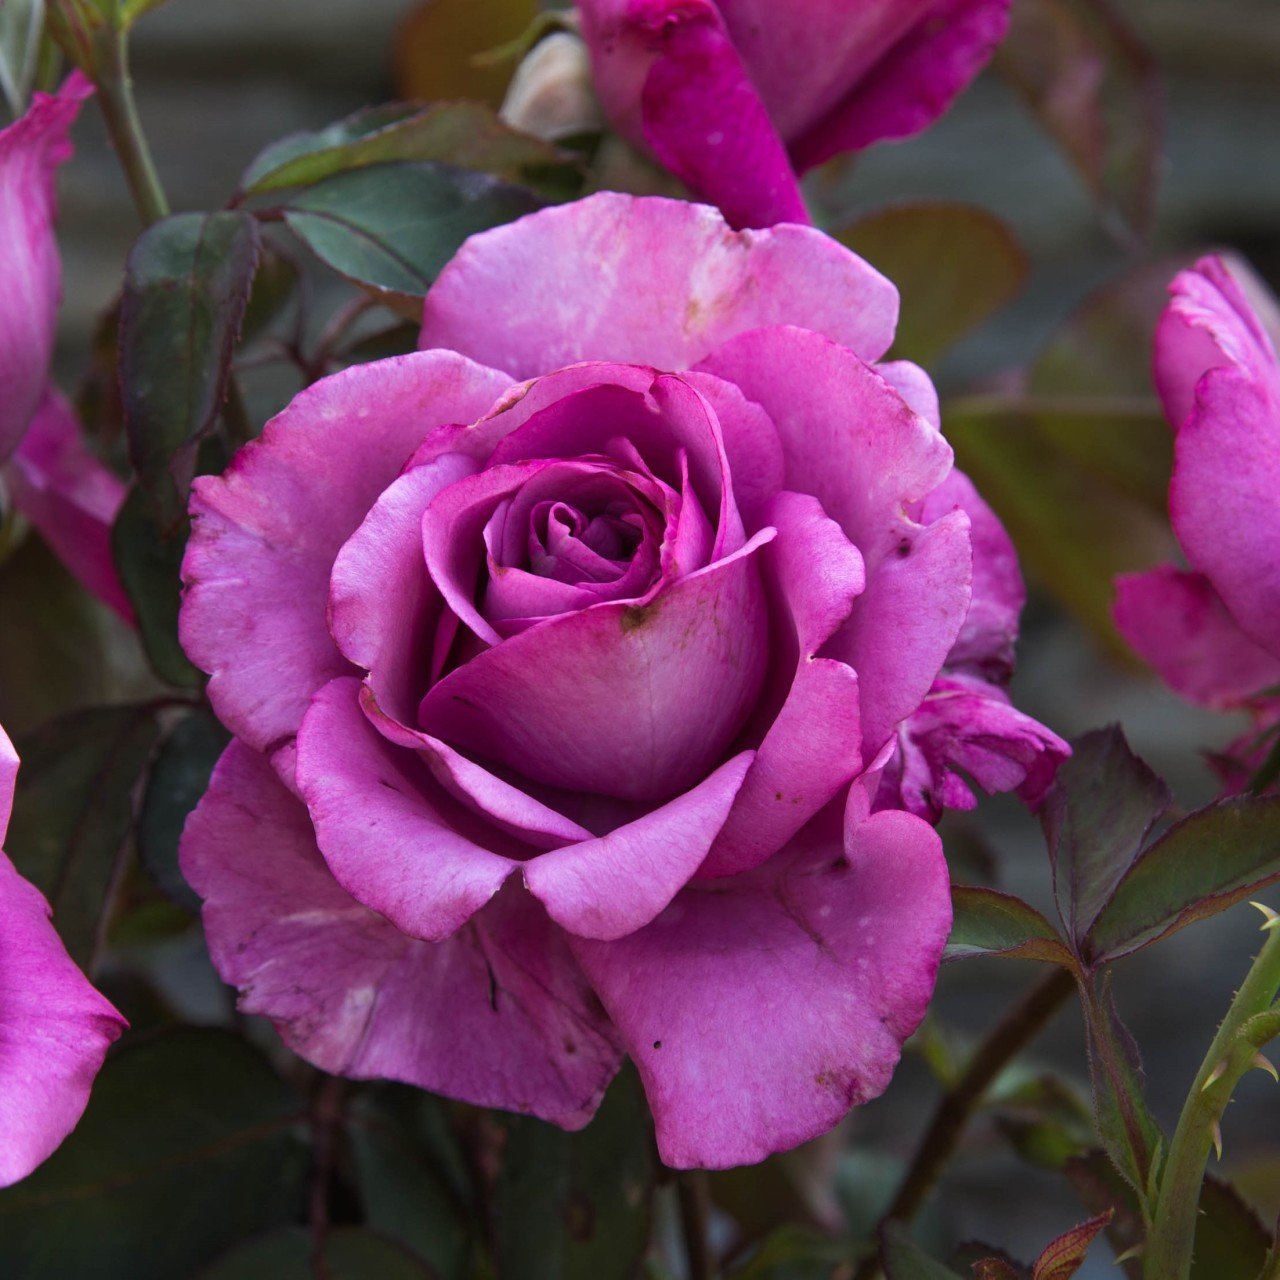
[
  {"x": 570, "y": 662},
  {"x": 1213, "y": 631},
  {"x": 50, "y": 477},
  {"x": 55, "y": 1029},
  {"x": 737, "y": 97}
]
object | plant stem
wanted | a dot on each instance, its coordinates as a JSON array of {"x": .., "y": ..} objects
[
  {"x": 1172, "y": 1239},
  {"x": 120, "y": 111},
  {"x": 694, "y": 1193},
  {"x": 1001, "y": 1045}
]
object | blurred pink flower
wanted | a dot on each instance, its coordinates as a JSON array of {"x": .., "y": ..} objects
[
  {"x": 55, "y": 1029},
  {"x": 737, "y": 97}
]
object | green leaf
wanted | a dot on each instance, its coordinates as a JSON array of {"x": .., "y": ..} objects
[
  {"x": 990, "y": 923},
  {"x": 129, "y": 11},
  {"x": 955, "y": 265},
  {"x": 177, "y": 780},
  {"x": 1094, "y": 87},
  {"x": 576, "y": 1206},
  {"x": 188, "y": 1146},
  {"x": 1044, "y": 1119},
  {"x": 73, "y": 812},
  {"x": 1204, "y": 864},
  {"x": 1059, "y": 472},
  {"x": 903, "y": 1259},
  {"x": 187, "y": 285},
  {"x": 1231, "y": 1243},
  {"x": 795, "y": 1253},
  {"x": 350, "y": 1253},
  {"x": 466, "y": 134},
  {"x": 394, "y": 226},
  {"x": 1103, "y": 804},
  {"x": 148, "y": 558},
  {"x": 412, "y": 1177},
  {"x": 274, "y": 286},
  {"x": 21, "y": 30},
  {"x": 1128, "y": 1130}
]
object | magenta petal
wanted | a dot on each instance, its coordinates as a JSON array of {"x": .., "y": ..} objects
[
  {"x": 633, "y": 701},
  {"x": 484, "y": 793},
  {"x": 388, "y": 834},
  {"x": 760, "y": 1012},
  {"x": 267, "y": 531},
  {"x": 646, "y": 281},
  {"x": 1178, "y": 623},
  {"x": 31, "y": 149},
  {"x": 704, "y": 121},
  {"x": 913, "y": 83},
  {"x": 611, "y": 886},
  {"x": 498, "y": 1015},
  {"x": 381, "y": 601},
  {"x": 71, "y": 498},
  {"x": 813, "y": 746},
  {"x": 967, "y": 727},
  {"x": 826, "y": 403},
  {"x": 1224, "y": 498}
]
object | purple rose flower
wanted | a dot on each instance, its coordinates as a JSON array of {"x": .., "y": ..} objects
[
  {"x": 1213, "y": 631},
  {"x": 55, "y": 1029},
  {"x": 737, "y": 97},
  {"x": 564, "y": 658}
]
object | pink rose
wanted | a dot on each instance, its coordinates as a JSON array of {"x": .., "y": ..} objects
[
  {"x": 1213, "y": 631},
  {"x": 562, "y": 658},
  {"x": 55, "y": 1029},
  {"x": 52, "y": 478},
  {"x": 737, "y": 97}
]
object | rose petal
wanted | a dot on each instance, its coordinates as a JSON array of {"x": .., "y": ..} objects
[
  {"x": 1177, "y": 622},
  {"x": 498, "y": 1015},
  {"x": 826, "y": 403},
  {"x": 382, "y": 606},
  {"x": 266, "y": 532},
  {"x": 812, "y": 746},
  {"x": 31, "y": 150},
  {"x": 484, "y": 793},
  {"x": 631, "y": 701},
  {"x": 612, "y": 886},
  {"x": 1224, "y": 498},
  {"x": 646, "y": 281},
  {"x": 390, "y": 837},
  {"x": 71, "y": 498},
  {"x": 760, "y": 1012},
  {"x": 913, "y": 82}
]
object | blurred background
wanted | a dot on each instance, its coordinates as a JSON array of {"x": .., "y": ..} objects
[{"x": 216, "y": 82}]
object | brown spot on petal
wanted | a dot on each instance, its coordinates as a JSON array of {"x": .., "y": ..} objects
[{"x": 637, "y": 615}]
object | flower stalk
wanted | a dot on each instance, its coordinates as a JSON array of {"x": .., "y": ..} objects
[
  {"x": 1252, "y": 1020},
  {"x": 120, "y": 111}
]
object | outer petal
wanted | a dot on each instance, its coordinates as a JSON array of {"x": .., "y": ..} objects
[
  {"x": 913, "y": 83},
  {"x": 812, "y": 747},
  {"x": 1177, "y": 622},
  {"x": 498, "y": 1015},
  {"x": 390, "y": 837},
  {"x": 612, "y": 886},
  {"x": 30, "y": 274},
  {"x": 632, "y": 701},
  {"x": 266, "y": 532},
  {"x": 647, "y": 281},
  {"x": 55, "y": 1029},
  {"x": 760, "y": 1013},
  {"x": 1224, "y": 499},
  {"x": 967, "y": 726},
  {"x": 71, "y": 498},
  {"x": 381, "y": 601},
  {"x": 827, "y": 404}
]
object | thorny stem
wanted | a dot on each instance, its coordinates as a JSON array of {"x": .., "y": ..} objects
[
  {"x": 1001, "y": 1045},
  {"x": 694, "y": 1193},
  {"x": 326, "y": 1116},
  {"x": 1169, "y": 1249},
  {"x": 115, "y": 96}
]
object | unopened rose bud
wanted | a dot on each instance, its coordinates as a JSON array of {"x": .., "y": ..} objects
[{"x": 552, "y": 95}]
